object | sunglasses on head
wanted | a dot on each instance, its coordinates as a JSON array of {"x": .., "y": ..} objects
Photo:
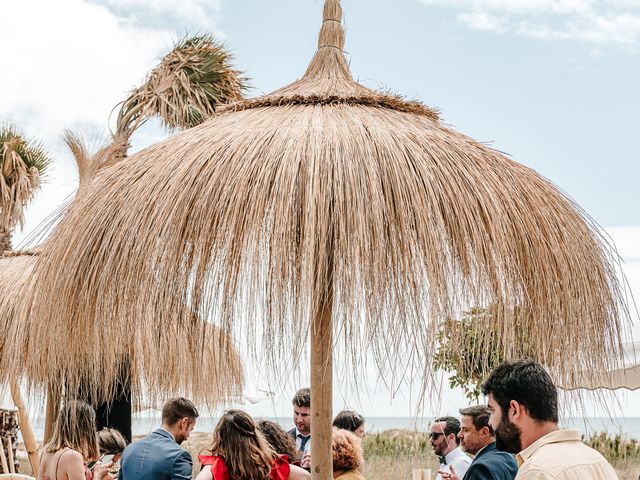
[{"x": 434, "y": 435}]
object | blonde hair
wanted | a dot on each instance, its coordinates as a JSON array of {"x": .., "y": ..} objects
[
  {"x": 111, "y": 441},
  {"x": 246, "y": 453},
  {"x": 75, "y": 428}
]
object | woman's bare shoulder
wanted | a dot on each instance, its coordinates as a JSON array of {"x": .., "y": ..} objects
[{"x": 71, "y": 459}]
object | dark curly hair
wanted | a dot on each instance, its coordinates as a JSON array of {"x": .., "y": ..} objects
[
  {"x": 280, "y": 440},
  {"x": 529, "y": 384}
]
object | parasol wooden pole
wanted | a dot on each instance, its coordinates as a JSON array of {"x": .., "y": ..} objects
[
  {"x": 53, "y": 405},
  {"x": 321, "y": 394},
  {"x": 3, "y": 459},
  {"x": 25, "y": 426}
]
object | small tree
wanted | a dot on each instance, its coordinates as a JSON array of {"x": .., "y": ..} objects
[
  {"x": 23, "y": 163},
  {"x": 183, "y": 90},
  {"x": 468, "y": 356}
]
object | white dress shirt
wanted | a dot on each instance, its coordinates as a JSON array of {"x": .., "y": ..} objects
[{"x": 458, "y": 459}]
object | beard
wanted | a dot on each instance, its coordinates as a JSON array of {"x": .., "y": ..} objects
[{"x": 508, "y": 436}]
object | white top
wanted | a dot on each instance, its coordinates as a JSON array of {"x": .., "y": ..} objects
[{"x": 458, "y": 459}]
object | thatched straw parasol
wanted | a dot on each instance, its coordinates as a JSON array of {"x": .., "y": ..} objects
[
  {"x": 627, "y": 376},
  {"x": 324, "y": 207},
  {"x": 158, "y": 367}
]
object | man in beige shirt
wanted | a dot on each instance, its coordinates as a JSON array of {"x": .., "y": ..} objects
[{"x": 524, "y": 415}]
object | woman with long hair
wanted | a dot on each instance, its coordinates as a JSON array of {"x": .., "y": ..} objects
[
  {"x": 239, "y": 451},
  {"x": 73, "y": 444},
  {"x": 279, "y": 439}
]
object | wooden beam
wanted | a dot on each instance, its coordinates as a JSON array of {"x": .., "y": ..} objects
[{"x": 322, "y": 393}]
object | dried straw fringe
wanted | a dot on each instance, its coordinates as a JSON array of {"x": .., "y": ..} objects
[
  {"x": 233, "y": 218},
  {"x": 158, "y": 366}
]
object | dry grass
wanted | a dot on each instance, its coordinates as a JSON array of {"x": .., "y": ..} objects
[{"x": 318, "y": 191}]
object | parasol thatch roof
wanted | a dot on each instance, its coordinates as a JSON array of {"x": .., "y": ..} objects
[
  {"x": 157, "y": 365},
  {"x": 628, "y": 376},
  {"x": 156, "y": 368},
  {"x": 325, "y": 189}
]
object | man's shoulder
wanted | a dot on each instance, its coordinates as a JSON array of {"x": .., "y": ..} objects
[
  {"x": 556, "y": 459},
  {"x": 155, "y": 440},
  {"x": 496, "y": 456},
  {"x": 494, "y": 464}
]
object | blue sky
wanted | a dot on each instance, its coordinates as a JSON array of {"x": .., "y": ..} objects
[{"x": 553, "y": 83}]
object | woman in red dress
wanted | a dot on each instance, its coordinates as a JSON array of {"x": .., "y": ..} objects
[{"x": 239, "y": 451}]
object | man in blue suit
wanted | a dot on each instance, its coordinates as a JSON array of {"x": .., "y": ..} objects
[
  {"x": 159, "y": 456},
  {"x": 477, "y": 438}
]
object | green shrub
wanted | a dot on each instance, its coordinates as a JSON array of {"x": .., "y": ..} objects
[{"x": 615, "y": 448}]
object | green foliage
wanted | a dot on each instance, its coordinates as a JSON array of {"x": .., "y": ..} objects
[
  {"x": 397, "y": 443},
  {"x": 471, "y": 347},
  {"x": 615, "y": 448},
  {"x": 31, "y": 153}
]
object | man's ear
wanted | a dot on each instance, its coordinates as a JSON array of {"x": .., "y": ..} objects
[{"x": 515, "y": 411}]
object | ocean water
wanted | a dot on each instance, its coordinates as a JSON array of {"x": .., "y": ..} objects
[{"x": 628, "y": 427}]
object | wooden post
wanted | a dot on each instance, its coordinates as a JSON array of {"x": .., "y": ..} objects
[
  {"x": 12, "y": 461},
  {"x": 321, "y": 392},
  {"x": 25, "y": 426},
  {"x": 53, "y": 407},
  {"x": 3, "y": 458}
]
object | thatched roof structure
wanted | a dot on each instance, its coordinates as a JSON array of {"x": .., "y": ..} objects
[
  {"x": 627, "y": 376},
  {"x": 156, "y": 369},
  {"x": 330, "y": 203},
  {"x": 14, "y": 270}
]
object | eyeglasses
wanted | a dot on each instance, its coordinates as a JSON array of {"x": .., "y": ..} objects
[{"x": 434, "y": 435}]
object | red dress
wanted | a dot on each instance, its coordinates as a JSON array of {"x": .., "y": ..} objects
[{"x": 279, "y": 468}]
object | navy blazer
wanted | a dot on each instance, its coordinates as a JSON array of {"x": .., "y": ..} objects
[
  {"x": 492, "y": 464},
  {"x": 156, "y": 457}
]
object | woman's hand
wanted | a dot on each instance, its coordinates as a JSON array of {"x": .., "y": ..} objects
[
  {"x": 305, "y": 461},
  {"x": 101, "y": 471}
]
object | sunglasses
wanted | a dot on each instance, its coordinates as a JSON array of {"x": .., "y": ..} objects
[{"x": 434, "y": 435}]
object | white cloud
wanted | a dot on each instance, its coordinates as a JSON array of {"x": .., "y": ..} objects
[
  {"x": 518, "y": 6},
  {"x": 613, "y": 22},
  {"x": 483, "y": 21},
  {"x": 163, "y": 13},
  {"x": 75, "y": 63}
]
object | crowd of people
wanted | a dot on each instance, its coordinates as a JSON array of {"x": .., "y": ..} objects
[{"x": 515, "y": 436}]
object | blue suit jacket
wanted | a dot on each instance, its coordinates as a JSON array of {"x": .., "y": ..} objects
[
  {"x": 156, "y": 457},
  {"x": 492, "y": 464}
]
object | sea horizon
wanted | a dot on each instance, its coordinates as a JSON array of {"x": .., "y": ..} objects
[{"x": 628, "y": 427}]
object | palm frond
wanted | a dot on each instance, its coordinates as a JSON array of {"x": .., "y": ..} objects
[
  {"x": 23, "y": 164},
  {"x": 185, "y": 88}
]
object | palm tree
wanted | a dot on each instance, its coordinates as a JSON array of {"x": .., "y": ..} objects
[
  {"x": 184, "y": 90},
  {"x": 23, "y": 163}
]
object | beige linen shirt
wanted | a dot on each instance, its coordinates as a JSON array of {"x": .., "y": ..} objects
[{"x": 561, "y": 455}]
